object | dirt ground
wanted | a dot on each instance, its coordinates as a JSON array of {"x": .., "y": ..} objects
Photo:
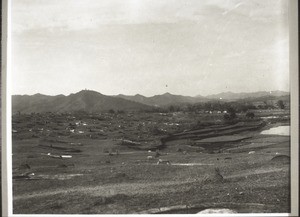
[{"x": 107, "y": 163}]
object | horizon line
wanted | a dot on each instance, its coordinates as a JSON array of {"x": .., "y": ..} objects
[{"x": 198, "y": 95}]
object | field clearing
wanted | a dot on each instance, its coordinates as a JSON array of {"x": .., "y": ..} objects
[{"x": 107, "y": 175}]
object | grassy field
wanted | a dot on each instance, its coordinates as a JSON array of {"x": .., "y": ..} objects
[{"x": 107, "y": 163}]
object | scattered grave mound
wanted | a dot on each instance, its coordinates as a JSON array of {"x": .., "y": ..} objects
[
  {"x": 217, "y": 211},
  {"x": 281, "y": 159}
]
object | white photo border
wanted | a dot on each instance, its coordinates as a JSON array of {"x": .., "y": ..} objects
[{"x": 7, "y": 202}]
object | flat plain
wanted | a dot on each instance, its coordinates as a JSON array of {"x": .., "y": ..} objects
[{"x": 137, "y": 162}]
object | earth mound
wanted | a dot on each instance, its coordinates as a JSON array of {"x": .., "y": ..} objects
[{"x": 281, "y": 159}]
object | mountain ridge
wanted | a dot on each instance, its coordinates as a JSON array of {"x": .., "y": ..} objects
[
  {"x": 242, "y": 95},
  {"x": 89, "y": 101},
  {"x": 93, "y": 101}
]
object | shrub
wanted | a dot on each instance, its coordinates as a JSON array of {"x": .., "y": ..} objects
[{"x": 250, "y": 115}]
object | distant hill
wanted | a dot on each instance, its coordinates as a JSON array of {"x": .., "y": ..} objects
[
  {"x": 92, "y": 101},
  {"x": 136, "y": 98},
  {"x": 230, "y": 96},
  {"x": 267, "y": 98},
  {"x": 168, "y": 99},
  {"x": 89, "y": 101},
  {"x": 164, "y": 99}
]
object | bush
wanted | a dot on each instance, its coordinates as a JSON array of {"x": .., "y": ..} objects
[
  {"x": 250, "y": 115},
  {"x": 230, "y": 115},
  {"x": 280, "y": 104}
]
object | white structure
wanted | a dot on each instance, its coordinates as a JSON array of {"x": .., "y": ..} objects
[{"x": 160, "y": 161}]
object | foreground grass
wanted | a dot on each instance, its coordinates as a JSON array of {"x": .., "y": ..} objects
[{"x": 270, "y": 190}]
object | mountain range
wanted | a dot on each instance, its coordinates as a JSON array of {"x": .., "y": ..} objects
[
  {"x": 236, "y": 96},
  {"x": 85, "y": 100},
  {"x": 92, "y": 101},
  {"x": 163, "y": 100}
]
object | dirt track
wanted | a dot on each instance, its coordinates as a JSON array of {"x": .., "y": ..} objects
[{"x": 109, "y": 189}]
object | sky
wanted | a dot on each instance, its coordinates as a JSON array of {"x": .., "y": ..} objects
[{"x": 149, "y": 47}]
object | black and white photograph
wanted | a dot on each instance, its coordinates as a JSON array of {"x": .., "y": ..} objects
[{"x": 149, "y": 107}]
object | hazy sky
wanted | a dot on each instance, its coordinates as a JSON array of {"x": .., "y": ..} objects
[{"x": 186, "y": 47}]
